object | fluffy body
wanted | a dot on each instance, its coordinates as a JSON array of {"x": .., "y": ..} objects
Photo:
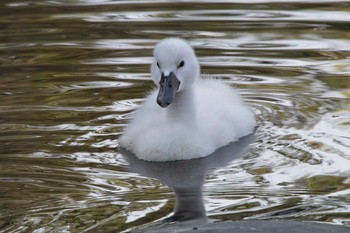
[{"x": 205, "y": 115}]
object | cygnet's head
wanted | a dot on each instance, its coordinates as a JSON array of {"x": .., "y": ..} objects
[{"x": 174, "y": 68}]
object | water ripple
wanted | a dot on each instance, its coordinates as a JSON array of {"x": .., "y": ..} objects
[{"x": 216, "y": 16}]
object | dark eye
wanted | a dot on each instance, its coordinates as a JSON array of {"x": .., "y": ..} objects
[
  {"x": 182, "y": 63},
  {"x": 158, "y": 65}
]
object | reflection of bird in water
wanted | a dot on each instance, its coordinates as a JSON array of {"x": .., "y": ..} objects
[
  {"x": 186, "y": 177},
  {"x": 193, "y": 117}
]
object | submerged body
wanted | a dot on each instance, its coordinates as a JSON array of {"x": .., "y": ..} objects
[{"x": 188, "y": 118}]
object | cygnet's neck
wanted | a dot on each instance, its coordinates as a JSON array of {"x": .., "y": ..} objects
[{"x": 182, "y": 109}]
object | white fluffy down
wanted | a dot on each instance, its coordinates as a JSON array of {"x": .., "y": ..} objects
[{"x": 203, "y": 117}]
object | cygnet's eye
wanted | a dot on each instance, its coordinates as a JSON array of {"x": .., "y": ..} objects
[
  {"x": 158, "y": 65},
  {"x": 182, "y": 63}
]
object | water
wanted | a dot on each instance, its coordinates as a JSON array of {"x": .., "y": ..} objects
[{"x": 72, "y": 71}]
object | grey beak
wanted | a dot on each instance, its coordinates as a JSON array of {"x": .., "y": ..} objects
[{"x": 167, "y": 90}]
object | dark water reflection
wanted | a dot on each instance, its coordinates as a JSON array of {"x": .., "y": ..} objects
[
  {"x": 187, "y": 177},
  {"x": 72, "y": 71}
]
